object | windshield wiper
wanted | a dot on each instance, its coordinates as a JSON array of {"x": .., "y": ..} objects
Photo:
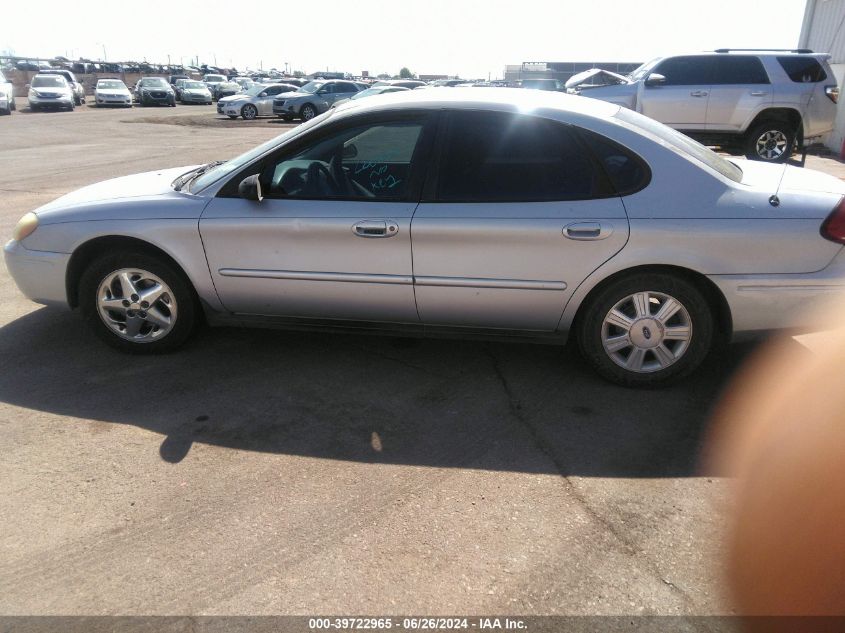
[{"x": 184, "y": 179}]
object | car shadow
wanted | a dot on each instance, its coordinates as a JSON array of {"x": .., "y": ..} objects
[{"x": 424, "y": 402}]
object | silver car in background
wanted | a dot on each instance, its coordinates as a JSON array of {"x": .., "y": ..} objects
[
  {"x": 254, "y": 102},
  {"x": 112, "y": 92},
  {"x": 313, "y": 98},
  {"x": 50, "y": 92},
  {"x": 502, "y": 213},
  {"x": 191, "y": 91},
  {"x": 213, "y": 81},
  {"x": 7, "y": 95}
]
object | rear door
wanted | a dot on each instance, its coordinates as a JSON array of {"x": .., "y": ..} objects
[
  {"x": 680, "y": 101},
  {"x": 515, "y": 216},
  {"x": 740, "y": 88}
]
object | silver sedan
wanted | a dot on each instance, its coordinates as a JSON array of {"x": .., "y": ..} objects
[
  {"x": 529, "y": 215},
  {"x": 255, "y": 101}
]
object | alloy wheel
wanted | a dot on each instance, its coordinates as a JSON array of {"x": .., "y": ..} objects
[
  {"x": 136, "y": 305},
  {"x": 646, "y": 332},
  {"x": 771, "y": 144}
]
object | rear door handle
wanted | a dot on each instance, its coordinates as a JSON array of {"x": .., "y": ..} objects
[
  {"x": 588, "y": 231},
  {"x": 758, "y": 93},
  {"x": 699, "y": 93},
  {"x": 375, "y": 228}
]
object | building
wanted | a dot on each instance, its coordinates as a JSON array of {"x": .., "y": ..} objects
[
  {"x": 561, "y": 70},
  {"x": 823, "y": 31}
]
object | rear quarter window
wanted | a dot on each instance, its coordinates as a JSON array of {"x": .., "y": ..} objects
[
  {"x": 803, "y": 69},
  {"x": 628, "y": 173}
]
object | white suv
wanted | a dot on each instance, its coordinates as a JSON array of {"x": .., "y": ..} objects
[{"x": 762, "y": 103}]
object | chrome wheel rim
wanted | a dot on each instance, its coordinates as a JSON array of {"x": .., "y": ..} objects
[
  {"x": 308, "y": 113},
  {"x": 646, "y": 332},
  {"x": 249, "y": 112},
  {"x": 136, "y": 305},
  {"x": 771, "y": 145}
]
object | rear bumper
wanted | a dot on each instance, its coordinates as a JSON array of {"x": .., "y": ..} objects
[
  {"x": 775, "y": 302},
  {"x": 40, "y": 275}
]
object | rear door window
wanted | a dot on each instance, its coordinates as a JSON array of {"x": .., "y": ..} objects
[
  {"x": 504, "y": 157},
  {"x": 739, "y": 69}
]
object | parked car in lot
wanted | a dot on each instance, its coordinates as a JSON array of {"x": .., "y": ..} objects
[
  {"x": 543, "y": 84},
  {"x": 530, "y": 214},
  {"x": 371, "y": 92},
  {"x": 227, "y": 89},
  {"x": 112, "y": 92},
  {"x": 410, "y": 84},
  {"x": 213, "y": 81},
  {"x": 76, "y": 86},
  {"x": 7, "y": 95},
  {"x": 154, "y": 91},
  {"x": 255, "y": 102},
  {"x": 51, "y": 92},
  {"x": 313, "y": 98},
  {"x": 191, "y": 91},
  {"x": 760, "y": 103}
]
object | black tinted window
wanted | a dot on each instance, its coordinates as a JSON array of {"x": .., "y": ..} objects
[
  {"x": 803, "y": 69},
  {"x": 685, "y": 71},
  {"x": 628, "y": 173},
  {"x": 739, "y": 69},
  {"x": 502, "y": 157}
]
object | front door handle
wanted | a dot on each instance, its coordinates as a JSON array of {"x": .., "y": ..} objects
[
  {"x": 588, "y": 231},
  {"x": 759, "y": 93},
  {"x": 375, "y": 228},
  {"x": 698, "y": 93}
]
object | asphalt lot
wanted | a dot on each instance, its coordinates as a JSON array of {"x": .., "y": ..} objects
[{"x": 267, "y": 472}]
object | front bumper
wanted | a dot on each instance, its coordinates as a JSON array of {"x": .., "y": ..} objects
[
  {"x": 40, "y": 275},
  {"x": 64, "y": 101},
  {"x": 124, "y": 101},
  {"x": 195, "y": 98},
  {"x": 285, "y": 107},
  {"x": 149, "y": 98}
]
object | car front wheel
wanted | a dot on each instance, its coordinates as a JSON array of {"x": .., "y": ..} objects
[
  {"x": 646, "y": 331},
  {"x": 771, "y": 142},
  {"x": 249, "y": 112},
  {"x": 308, "y": 112},
  {"x": 137, "y": 303}
]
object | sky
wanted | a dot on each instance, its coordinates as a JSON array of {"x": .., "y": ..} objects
[{"x": 469, "y": 38}]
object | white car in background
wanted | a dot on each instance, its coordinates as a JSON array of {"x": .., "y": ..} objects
[
  {"x": 50, "y": 92},
  {"x": 112, "y": 92},
  {"x": 7, "y": 95}
]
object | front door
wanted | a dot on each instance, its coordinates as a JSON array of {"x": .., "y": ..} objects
[
  {"x": 681, "y": 100},
  {"x": 331, "y": 239}
]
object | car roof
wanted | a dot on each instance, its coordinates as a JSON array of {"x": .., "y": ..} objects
[{"x": 492, "y": 99}]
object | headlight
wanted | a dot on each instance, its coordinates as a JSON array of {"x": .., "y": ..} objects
[
  {"x": 34, "y": 93},
  {"x": 25, "y": 227}
]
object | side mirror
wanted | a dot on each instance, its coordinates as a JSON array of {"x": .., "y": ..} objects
[
  {"x": 350, "y": 151},
  {"x": 250, "y": 188},
  {"x": 263, "y": 94},
  {"x": 655, "y": 79}
]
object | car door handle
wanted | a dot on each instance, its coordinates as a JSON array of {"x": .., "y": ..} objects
[
  {"x": 585, "y": 231},
  {"x": 759, "y": 93},
  {"x": 375, "y": 228},
  {"x": 699, "y": 93}
]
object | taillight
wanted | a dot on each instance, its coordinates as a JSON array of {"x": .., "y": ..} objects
[
  {"x": 833, "y": 228},
  {"x": 832, "y": 93}
]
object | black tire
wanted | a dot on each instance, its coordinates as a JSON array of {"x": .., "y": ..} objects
[
  {"x": 185, "y": 297},
  {"x": 698, "y": 316},
  {"x": 13, "y": 105},
  {"x": 764, "y": 139},
  {"x": 249, "y": 112},
  {"x": 287, "y": 117},
  {"x": 308, "y": 112}
]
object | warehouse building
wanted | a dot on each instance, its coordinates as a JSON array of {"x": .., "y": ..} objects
[{"x": 823, "y": 31}]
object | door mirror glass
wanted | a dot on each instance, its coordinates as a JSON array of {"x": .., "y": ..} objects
[
  {"x": 263, "y": 94},
  {"x": 250, "y": 188},
  {"x": 655, "y": 79}
]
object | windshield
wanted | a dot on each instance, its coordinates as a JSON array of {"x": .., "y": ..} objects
[
  {"x": 153, "y": 82},
  {"x": 254, "y": 90},
  {"x": 311, "y": 87},
  {"x": 193, "y": 85},
  {"x": 48, "y": 82},
  {"x": 220, "y": 171},
  {"x": 643, "y": 70},
  {"x": 111, "y": 84},
  {"x": 680, "y": 143}
]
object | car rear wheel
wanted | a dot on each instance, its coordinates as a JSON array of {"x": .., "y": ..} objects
[
  {"x": 137, "y": 303},
  {"x": 646, "y": 330},
  {"x": 249, "y": 112},
  {"x": 308, "y": 112},
  {"x": 771, "y": 142}
]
